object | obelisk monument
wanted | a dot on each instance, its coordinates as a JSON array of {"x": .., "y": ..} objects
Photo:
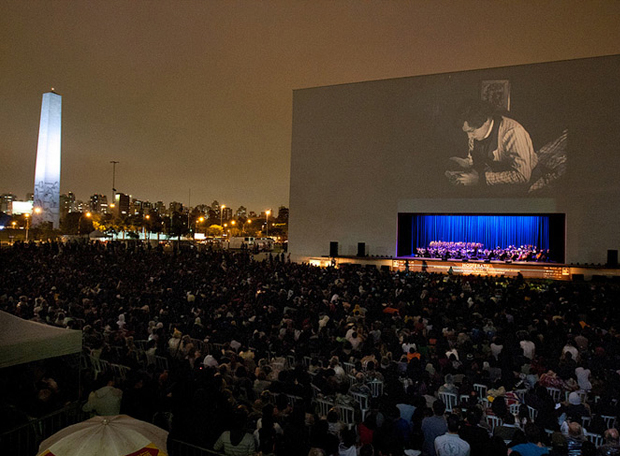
[{"x": 47, "y": 171}]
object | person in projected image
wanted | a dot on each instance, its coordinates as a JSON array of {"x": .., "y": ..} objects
[{"x": 500, "y": 154}]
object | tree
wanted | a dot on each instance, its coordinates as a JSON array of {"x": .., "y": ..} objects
[
  {"x": 215, "y": 230},
  {"x": 69, "y": 224},
  {"x": 178, "y": 225}
]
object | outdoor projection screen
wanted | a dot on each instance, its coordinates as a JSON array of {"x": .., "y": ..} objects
[{"x": 363, "y": 153}]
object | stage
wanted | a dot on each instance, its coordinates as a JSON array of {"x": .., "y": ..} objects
[{"x": 528, "y": 270}]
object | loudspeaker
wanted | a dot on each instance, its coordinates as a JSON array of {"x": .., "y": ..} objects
[
  {"x": 333, "y": 249},
  {"x": 361, "y": 249},
  {"x": 612, "y": 258}
]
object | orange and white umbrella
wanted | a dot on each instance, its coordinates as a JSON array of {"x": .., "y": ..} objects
[{"x": 118, "y": 435}]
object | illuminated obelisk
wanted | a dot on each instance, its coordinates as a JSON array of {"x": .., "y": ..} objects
[{"x": 47, "y": 171}]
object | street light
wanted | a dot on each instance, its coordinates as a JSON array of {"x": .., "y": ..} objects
[
  {"x": 222, "y": 215},
  {"x": 147, "y": 217},
  {"x": 267, "y": 220},
  {"x": 200, "y": 220}
]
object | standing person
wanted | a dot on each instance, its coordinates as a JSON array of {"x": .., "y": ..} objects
[
  {"x": 528, "y": 347},
  {"x": 534, "y": 446},
  {"x": 347, "y": 445},
  {"x": 500, "y": 150},
  {"x": 106, "y": 400},
  {"x": 474, "y": 434},
  {"x": 268, "y": 433},
  {"x": 236, "y": 442},
  {"x": 433, "y": 427},
  {"x": 450, "y": 444}
]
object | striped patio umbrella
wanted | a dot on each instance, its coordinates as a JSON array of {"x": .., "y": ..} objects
[{"x": 118, "y": 435}]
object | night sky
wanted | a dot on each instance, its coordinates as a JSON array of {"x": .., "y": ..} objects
[{"x": 196, "y": 96}]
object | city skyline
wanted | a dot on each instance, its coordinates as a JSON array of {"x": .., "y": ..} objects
[
  {"x": 198, "y": 97},
  {"x": 83, "y": 204}
]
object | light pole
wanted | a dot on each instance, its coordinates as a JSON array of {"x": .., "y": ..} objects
[
  {"x": 147, "y": 217},
  {"x": 199, "y": 220},
  {"x": 222, "y": 215},
  {"x": 114, "y": 162},
  {"x": 27, "y": 225},
  {"x": 267, "y": 220}
]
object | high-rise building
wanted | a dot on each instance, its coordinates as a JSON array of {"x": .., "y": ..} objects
[
  {"x": 81, "y": 206},
  {"x": 121, "y": 204},
  {"x": 227, "y": 213},
  {"x": 47, "y": 170},
  {"x": 6, "y": 202},
  {"x": 136, "y": 206},
  {"x": 147, "y": 207},
  {"x": 242, "y": 212},
  {"x": 283, "y": 214},
  {"x": 160, "y": 208},
  {"x": 175, "y": 206},
  {"x": 67, "y": 204},
  {"x": 99, "y": 204}
]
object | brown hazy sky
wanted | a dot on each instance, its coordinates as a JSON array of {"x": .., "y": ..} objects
[{"x": 198, "y": 94}]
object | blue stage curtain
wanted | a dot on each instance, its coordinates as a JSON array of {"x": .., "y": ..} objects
[{"x": 490, "y": 230}]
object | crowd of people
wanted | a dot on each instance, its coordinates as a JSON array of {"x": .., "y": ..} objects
[
  {"x": 252, "y": 347},
  {"x": 477, "y": 251}
]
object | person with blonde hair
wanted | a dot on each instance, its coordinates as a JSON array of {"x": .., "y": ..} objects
[{"x": 611, "y": 447}]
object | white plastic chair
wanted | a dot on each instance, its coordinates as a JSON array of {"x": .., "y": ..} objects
[
  {"x": 376, "y": 388},
  {"x": 583, "y": 395},
  {"x": 610, "y": 421},
  {"x": 347, "y": 415},
  {"x": 362, "y": 399},
  {"x": 585, "y": 421},
  {"x": 554, "y": 393},
  {"x": 596, "y": 439},
  {"x": 494, "y": 421},
  {"x": 481, "y": 390},
  {"x": 450, "y": 400}
]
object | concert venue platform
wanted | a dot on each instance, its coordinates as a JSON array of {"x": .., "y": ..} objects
[{"x": 529, "y": 270}]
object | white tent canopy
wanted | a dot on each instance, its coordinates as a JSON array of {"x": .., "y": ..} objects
[{"x": 23, "y": 341}]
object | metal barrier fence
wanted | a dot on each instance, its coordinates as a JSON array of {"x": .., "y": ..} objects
[
  {"x": 24, "y": 440},
  {"x": 178, "y": 448}
]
